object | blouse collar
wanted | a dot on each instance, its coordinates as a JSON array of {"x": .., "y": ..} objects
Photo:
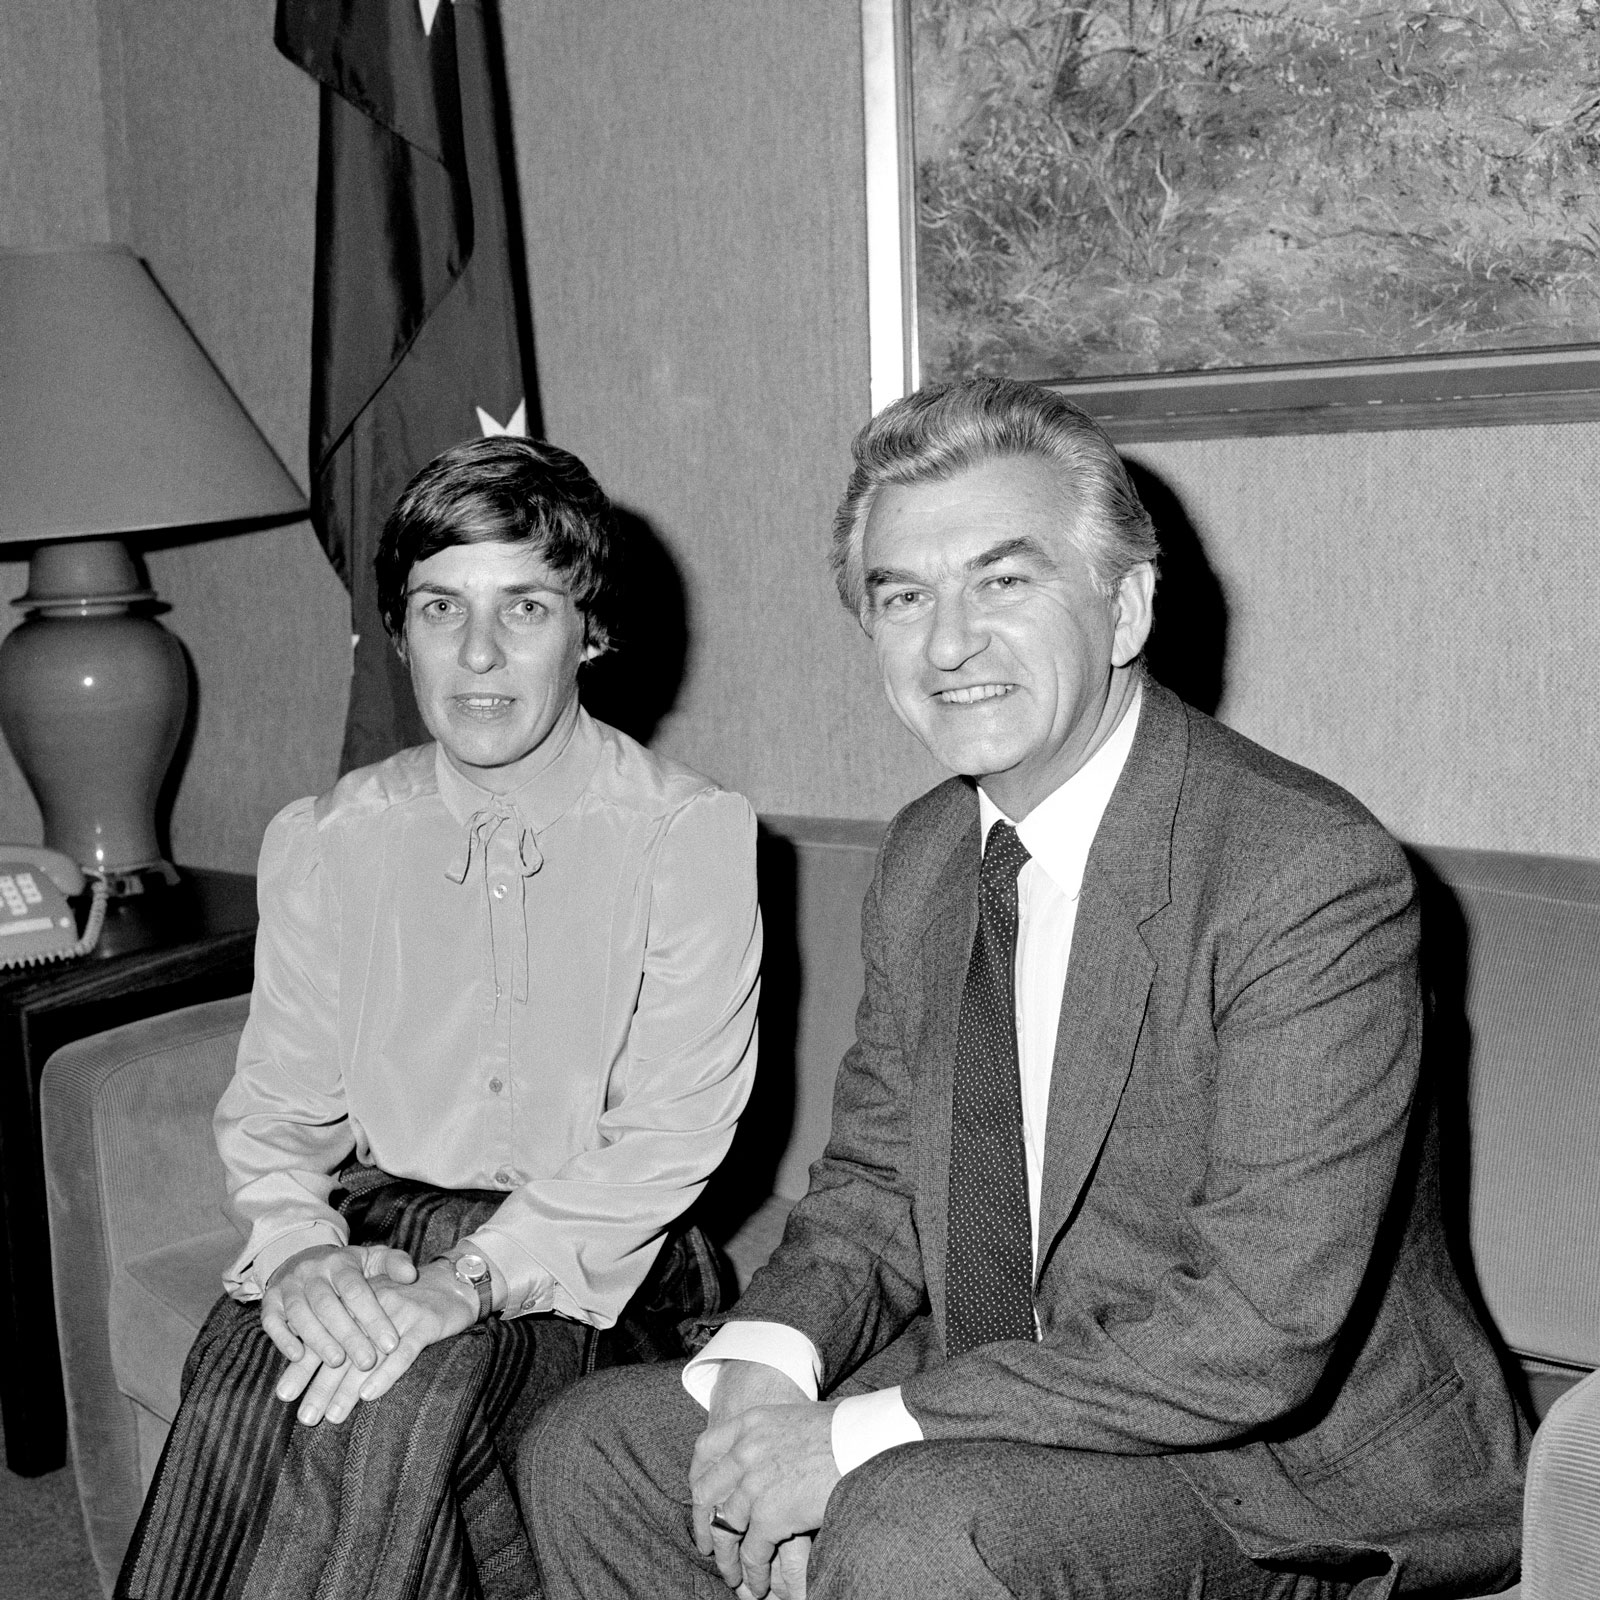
[{"x": 544, "y": 799}]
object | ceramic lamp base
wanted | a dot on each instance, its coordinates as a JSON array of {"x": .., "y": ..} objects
[{"x": 93, "y": 695}]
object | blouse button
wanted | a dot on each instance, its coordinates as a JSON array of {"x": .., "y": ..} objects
[
  {"x": 503, "y": 1177},
  {"x": 499, "y": 891},
  {"x": 496, "y": 1085}
]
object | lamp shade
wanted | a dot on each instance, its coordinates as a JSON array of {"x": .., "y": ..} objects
[{"x": 113, "y": 420}]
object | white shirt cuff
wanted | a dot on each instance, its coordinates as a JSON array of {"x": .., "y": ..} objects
[
  {"x": 248, "y": 1277},
  {"x": 521, "y": 1285},
  {"x": 866, "y": 1425},
  {"x": 774, "y": 1344}
]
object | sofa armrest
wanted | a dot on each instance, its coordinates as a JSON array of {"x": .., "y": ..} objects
[
  {"x": 130, "y": 1166},
  {"x": 1561, "y": 1505}
]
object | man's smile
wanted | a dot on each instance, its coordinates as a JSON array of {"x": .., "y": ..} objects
[{"x": 972, "y": 694}]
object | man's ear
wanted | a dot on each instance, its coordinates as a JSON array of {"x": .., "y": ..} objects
[{"x": 1134, "y": 608}]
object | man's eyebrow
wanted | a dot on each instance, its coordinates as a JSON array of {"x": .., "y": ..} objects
[
  {"x": 1005, "y": 550},
  {"x": 1022, "y": 545},
  {"x": 888, "y": 577}
]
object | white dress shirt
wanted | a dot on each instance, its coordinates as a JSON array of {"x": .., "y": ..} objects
[{"x": 1058, "y": 834}]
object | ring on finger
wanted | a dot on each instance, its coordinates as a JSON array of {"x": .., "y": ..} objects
[{"x": 721, "y": 1523}]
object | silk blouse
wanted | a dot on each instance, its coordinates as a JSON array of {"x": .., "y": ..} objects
[{"x": 550, "y": 993}]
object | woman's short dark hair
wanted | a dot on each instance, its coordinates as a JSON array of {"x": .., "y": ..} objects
[{"x": 505, "y": 490}]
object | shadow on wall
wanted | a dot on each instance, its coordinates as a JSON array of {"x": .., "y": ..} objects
[
  {"x": 1188, "y": 648},
  {"x": 638, "y": 681}
]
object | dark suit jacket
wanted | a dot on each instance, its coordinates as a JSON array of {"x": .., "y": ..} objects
[{"x": 1230, "y": 1271}]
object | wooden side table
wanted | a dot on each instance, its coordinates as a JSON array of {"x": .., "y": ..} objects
[{"x": 159, "y": 951}]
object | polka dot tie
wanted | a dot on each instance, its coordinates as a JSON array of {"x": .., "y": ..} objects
[{"x": 989, "y": 1269}]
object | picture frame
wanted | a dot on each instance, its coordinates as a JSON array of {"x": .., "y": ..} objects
[{"x": 1468, "y": 388}]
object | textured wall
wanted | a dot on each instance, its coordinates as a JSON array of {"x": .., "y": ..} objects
[
  {"x": 692, "y": 190},
  {"x": 1414, "y": 615},
  {"x": 218, "y": 177},
  {"x": 52, "y": 125}
]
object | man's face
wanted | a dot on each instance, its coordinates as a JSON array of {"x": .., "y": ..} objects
[
  {"x": 494, "y": 643},
  {"x": 997, "y": 650}
]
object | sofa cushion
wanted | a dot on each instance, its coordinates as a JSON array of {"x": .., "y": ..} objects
[
  {"x": 1528, "y": 928},
  {"x": 158, "y": 1302},
  {"x": 160, "y": 1299}
]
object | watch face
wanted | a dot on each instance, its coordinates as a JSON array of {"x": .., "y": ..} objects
[{"x": 472, "y": 1267}]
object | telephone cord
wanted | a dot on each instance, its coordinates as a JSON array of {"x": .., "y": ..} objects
[{"x": 96, "y": 919}]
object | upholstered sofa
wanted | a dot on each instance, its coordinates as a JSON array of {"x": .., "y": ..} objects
[{"x": 1513, "y": 956}]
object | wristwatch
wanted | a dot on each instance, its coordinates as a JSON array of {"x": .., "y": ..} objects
[{"x": 472, "y": 1270}]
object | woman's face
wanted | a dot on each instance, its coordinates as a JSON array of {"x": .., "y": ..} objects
[{"x": 494, "y": 643}]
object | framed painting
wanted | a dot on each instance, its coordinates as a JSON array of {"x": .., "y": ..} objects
[{"x": 1271, "y": 216}]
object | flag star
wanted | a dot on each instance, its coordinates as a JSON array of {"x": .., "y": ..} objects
[
  {"x": 429, "y": 10},
  {"x": 517, "y": 426}
]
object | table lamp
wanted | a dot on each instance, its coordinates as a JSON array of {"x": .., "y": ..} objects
[{"x": 114, "y": 425}]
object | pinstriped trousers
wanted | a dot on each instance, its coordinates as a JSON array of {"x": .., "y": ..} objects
[{"x": 410, "y": 1498}]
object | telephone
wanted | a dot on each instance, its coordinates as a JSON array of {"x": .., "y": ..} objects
[{"x": 36, "y": 923}]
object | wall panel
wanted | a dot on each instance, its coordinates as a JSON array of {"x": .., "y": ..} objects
[
  {"x": 52, "y": 128},
  {"x": 1414, "y": 615}
]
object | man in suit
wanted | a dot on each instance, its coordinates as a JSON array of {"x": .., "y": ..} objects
[{"x": 1123, "y": 1272}]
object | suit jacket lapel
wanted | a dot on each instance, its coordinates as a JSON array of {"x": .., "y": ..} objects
[{"x": 1127, "y": 881}]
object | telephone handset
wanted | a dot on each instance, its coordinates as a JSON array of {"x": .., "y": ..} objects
[{"x": 36, "y": 923}]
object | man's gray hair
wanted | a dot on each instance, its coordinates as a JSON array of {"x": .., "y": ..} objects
[{"x": 938, "y": 432}]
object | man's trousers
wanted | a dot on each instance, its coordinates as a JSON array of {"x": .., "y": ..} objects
[{"x": 604, "y": 1477}]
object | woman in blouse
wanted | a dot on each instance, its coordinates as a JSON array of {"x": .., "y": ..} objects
[{"x": 503, "y": 1025}]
